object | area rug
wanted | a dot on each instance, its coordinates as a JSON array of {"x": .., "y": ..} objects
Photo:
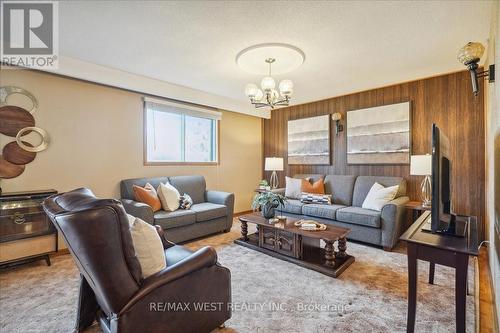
[{"x": 269, "y": 295}]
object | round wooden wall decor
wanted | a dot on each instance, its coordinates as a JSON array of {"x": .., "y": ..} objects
[
  {"x": 6, "y": 91},
  {"x": 9, "y": 170},
  {"x": 16, "y": 155},
  {"x": 13, "y": 119}
]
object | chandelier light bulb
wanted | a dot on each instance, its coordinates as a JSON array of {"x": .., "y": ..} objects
[
  {"x": 269, "y": 95},
  {"x": 251, "y": 90},
  {"x": 274, "y": 95},
  {"x": 286, "y": 87},
  {"x": 258, "y": 96},
  {"x": 267, "y": 83}
]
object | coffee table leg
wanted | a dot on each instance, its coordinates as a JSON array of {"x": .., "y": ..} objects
[
  {"x": 329, "y": 254},
  {"x": 244, "y": 230},
  {"x": 342, "y": 245}
]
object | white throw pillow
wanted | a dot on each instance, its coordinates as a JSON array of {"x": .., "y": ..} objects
[
  {"x": 169, "y": 197},
  {"x": 147, "y": 245},
  {"x": 293, "y": 188},
  {"x": 379, "y": 195}
]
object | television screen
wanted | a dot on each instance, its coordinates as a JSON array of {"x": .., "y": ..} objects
[{"x": 442, "y": 218}]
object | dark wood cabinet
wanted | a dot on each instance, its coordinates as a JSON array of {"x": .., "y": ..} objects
[
  {"x": 267, "y": 238},
  {"x": 281, "y": 241},
  {"x": 26, "y": 233}
]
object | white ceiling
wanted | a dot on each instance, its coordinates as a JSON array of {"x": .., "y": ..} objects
[{"x": 349, "y": 45}]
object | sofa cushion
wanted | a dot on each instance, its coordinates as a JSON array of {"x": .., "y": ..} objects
[
  {"x": 379, "y": 196},
  {"x": 313, "y": 177},
  {"x": 292, "y": 206},
  {"x": 195, "y": 186},
  {"x": 147, "y": 245},
  {"x": 324, "y": 211},
  {"x": 147, "y": 195},
  {"x": 169, "y": 197},
  {"x": 178, "y": 218},
  {"x": 293, "y": 187},
  {"x": 364, "y": 184},
  {"x": 176, "y": 253},
  {"x": 360, "y": 216},
  {"x": 206, "y": 211},
  {"x": 126, "y": 185},
  {"x": 318, "y": 187},
  {"x": 341, "y": 188}
]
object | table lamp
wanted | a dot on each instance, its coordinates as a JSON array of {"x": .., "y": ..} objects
[
  {"x": 421, "y": 165},
  {"x": 273, "y": 164}
]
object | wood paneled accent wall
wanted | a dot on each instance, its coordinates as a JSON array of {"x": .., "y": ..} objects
[{"x": 446, "y": 100}]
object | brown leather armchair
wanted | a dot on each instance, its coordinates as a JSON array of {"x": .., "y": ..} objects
[{"x": 111, "y": 288}]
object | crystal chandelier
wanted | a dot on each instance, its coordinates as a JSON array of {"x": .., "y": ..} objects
[{"x": 268, "y": 95}]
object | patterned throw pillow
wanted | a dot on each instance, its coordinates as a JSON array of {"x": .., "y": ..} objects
[
  {"x": 185, "y": 202},
  {"x": 323, "y": 199}
]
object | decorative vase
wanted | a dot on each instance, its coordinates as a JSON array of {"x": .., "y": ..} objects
[{"x": 268, "y": 210}]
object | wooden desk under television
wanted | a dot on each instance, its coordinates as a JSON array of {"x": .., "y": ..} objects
[{"x": 443, "y": 250}]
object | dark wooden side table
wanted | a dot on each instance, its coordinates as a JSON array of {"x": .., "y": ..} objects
[
  {"x": 444, "y": 250},
  {"x": 416, "y": 208}
]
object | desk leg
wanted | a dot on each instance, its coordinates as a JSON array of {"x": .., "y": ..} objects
[
  {"x": 412, "y": 287},
  {"x": 460, "y": 290},
  {"x": 431, "y": 272}
]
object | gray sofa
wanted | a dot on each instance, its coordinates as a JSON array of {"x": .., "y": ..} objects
[
  {"x": 212, "y": 211},
  {"x": 348, "y": 193}
]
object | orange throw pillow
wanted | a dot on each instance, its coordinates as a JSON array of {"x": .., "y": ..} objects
[
  {"x": 317, "y": 187},
  {"x": 147, "y": 195}
]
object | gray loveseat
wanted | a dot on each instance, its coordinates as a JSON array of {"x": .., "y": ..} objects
[
  {"x": 212, "y": 211},
  {"x": 348, "y": 193}
]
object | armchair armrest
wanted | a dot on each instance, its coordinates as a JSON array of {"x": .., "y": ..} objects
[
  {"x": 138, "y": 209},
  {"x": 204, "y": 257},
  {"x": 393, "y": 221}
]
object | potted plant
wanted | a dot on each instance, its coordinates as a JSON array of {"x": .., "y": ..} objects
[
  {"x": 263, "y": 184},
  {"x": 267, "y": 202}
]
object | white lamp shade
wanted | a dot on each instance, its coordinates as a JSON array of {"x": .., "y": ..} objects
[
  {"x": 251, "y": 90},
  {"x": 421, "y": 165},
  {"x": 267, "y": 83},
  {"x": 259, "y": 95},
  {"x": 286, "y": 87},
  {"x": 273, "y": 164}
]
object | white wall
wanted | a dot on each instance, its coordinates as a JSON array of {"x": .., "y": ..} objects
[{"x": 97, "y": 140}]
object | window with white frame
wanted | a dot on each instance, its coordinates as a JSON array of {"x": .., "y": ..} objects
[{"x": 179, "y": 133}]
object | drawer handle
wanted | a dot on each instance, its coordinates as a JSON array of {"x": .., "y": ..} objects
[{"x": 19, "y": 218}]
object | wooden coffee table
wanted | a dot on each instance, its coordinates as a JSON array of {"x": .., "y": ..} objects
[{"x": 285, "y": 241}]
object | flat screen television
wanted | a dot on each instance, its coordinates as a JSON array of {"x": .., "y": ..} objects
[{"x": 442, "y": 218}]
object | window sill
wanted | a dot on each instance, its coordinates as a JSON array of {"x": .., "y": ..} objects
[{"x": 181, "y": 163}]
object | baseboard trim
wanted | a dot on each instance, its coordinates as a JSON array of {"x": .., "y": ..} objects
[
  {"x": 486, "y": 315},
  {"x": 59, "y": 253},
  {"x": 242, "y": 213}
]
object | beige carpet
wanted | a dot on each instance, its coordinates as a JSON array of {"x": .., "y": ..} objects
[{"x": 269, "y": 295}]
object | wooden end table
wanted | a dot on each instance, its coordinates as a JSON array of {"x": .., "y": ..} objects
[
  {"x": 417, "y": 208},
  {"x": 285, "y": 241},
  {"x": 444, "y": 250}
]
